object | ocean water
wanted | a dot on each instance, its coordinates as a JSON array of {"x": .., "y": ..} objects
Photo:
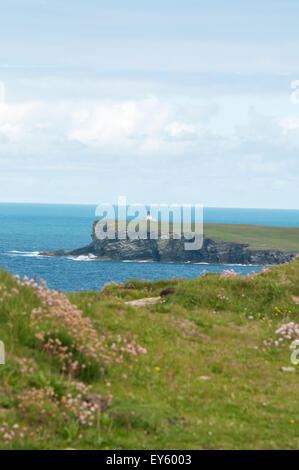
[{"x": 26, "y": 229}]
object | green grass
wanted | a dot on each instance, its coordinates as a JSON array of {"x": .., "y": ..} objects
[
  {"x": 206, "y": 382},
  {"x": 258, "y": 237}
]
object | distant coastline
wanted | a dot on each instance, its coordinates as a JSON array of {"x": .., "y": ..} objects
[
  {"x": 29, "y": 229},
  {"x": 259, "y": 252}
]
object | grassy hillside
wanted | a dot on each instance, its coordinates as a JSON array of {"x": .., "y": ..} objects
[
  {"x": 259, "y": 237},
  {"x": 191, "y": 371}
]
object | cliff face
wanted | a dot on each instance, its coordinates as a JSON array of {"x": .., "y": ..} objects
[{"x": 214, "y": 252}]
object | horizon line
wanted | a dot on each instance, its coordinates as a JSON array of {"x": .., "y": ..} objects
[{"x": 96, "y": 204}]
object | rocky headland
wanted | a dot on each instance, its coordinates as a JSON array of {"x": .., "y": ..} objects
[{"x": 212, "y": 251}]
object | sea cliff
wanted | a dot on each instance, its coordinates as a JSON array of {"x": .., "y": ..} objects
[{"x": 212, "y": 251}]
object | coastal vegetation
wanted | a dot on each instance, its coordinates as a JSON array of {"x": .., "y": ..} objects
[
  {"x": 205, "y": 364},
  {"x": 258, "y": 237}
]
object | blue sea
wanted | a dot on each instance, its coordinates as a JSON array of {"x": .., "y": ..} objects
[{"x": 26, "y": 229}]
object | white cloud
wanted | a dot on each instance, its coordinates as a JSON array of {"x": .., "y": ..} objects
[
  {"x": 14, "y": 120},
  {"x": 131, "y": 124},
  {"x": 143, "y": 143},
  {"x": 180, "y": 130},
  {"x": 290, "y": 124},
  {"x": 2, "y": 92},
  {"x": 133, "y": 127}
]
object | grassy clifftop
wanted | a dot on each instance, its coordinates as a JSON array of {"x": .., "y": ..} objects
[
  {"x": 201, "y": 368},
  {"x": 258, "y": 237}
]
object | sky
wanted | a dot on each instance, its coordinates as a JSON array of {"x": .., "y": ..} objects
[{"x": 188, "y": 102}]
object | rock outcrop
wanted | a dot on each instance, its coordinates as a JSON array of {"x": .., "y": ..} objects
[{"x": 213, "y": 252}]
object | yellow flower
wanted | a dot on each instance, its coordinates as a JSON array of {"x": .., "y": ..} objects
[
  {"x": 157, "y": 369},
  {"x": 292, "y": 421}
]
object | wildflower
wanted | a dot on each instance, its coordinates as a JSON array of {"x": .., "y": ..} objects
[
  {"x": 157, "y": 368},
  {"x": 292, "y": 421}
]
